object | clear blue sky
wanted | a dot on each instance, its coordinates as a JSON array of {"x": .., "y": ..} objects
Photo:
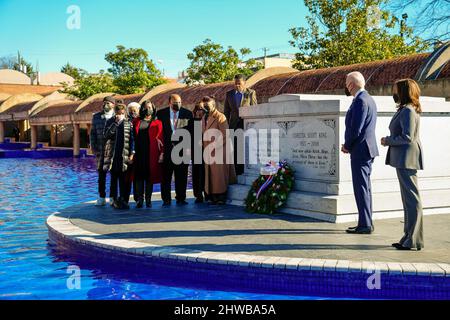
[{"x": 167, "y": 29}]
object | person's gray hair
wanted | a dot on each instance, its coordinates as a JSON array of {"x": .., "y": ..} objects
[
  {"x": 357, "y": 79},
  {"x": 133, "y": 105}
]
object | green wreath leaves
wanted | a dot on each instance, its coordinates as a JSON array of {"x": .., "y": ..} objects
[{"x": 275, "y": 195}]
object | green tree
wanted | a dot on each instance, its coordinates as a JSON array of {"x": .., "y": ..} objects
[
  {"x": 343, "y": 32},
  {"x": 90, "y": 84},
  {"x": 211, "y": 63},
  {"x": 21, "y": 63},
  {"x": 133, "y": 71},
  {"x": 72, "y": 71}
]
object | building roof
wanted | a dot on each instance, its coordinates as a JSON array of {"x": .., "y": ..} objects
[
  {"x": 13, "y": 77},
  {"x": 21, "y": 107},
  {"x": 13, "y": 89},
  {"x": 192, "y": 95},
  {"x": 377, "y": 73},
  {"x": 445, "y": 72},
  {"x": 96, "y": 105},
  {"x": 58, "y": 109}
]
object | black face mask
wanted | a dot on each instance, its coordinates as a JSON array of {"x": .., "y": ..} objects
[
  {"x": 206, "y": 108},
  {"x": 145, "y": 112},
  {"x": 176, "y": 106},
  {"x": 347, "y": 92},
  {"x": 396, "y": 98},
  {"x": 107, "y": 107}
]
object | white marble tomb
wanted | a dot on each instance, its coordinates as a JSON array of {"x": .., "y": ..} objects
[{"x": 311, "y": 131}]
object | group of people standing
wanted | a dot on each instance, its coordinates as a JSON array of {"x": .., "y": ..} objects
[
  {"x": 404, "y": 154},
  {"x": 135, "y": 143}
]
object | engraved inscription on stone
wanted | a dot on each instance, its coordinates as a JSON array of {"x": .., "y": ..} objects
[{"x": 310, "y": 146}]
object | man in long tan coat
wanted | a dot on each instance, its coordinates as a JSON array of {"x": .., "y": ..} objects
[{"x": 219, "y": 173}]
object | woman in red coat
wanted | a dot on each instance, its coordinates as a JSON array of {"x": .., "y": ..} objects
[{"x": 149, "y": 154}]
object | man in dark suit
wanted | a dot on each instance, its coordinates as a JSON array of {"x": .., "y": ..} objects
[
  {"x": 239, "y": 97},
  {"x": 361, "y": 144},
  {"x": 173, "y": 118}
]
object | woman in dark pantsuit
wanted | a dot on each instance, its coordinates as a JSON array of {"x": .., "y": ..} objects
[{"x": 405, "y": 154}]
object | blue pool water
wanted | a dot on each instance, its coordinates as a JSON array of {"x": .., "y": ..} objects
[{"x": 30, "y": 268}]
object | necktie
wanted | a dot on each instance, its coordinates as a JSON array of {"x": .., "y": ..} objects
[{"x": 175, "y": 120}]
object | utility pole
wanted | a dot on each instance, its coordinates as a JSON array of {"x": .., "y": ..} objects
[
  {"x": 265, "y": 50},
  {"x": 38, "y": 75}
]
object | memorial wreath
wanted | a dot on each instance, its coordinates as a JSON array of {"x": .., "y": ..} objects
[{"x": 270, "y": 191}]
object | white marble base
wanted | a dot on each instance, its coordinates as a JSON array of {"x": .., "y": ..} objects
[{"x": 342, "y": 208}]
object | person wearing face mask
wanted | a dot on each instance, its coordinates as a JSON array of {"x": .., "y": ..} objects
[
  {"x": 361, "y": 144},
  {"x": 219, "y": 173},
  {"x": 149, "y": 147},
  {"x": 405, "y": 154},
  {"x": 119, "y": 153},
  {"x": 173, "y": 118},
  {"x": 132, "y": 113},
  {"x": 198, "y": 168},
  {"x": 239, "y": 97},
  {"x": 97, "y": 143},
  {"x": 133, "y": 110}
]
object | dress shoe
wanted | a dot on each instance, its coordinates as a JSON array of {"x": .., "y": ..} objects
[
  {"x": 360, "y": 230},
  {"x": 199, "y": 200},
  {"x": 148, "y": 204},
  {"x": 116, "y": 205},
  {"x": 167, "y": 204},
  {"x": 182, "y": 203},
  {"x": 354, "y": 228},
  {"x": 139, "y": 204},
  {"x": 398, "y": 246},
  {"x": 121, "y": 205}
]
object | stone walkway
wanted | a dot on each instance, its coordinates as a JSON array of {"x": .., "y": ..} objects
[{"x": 230, "y": 229}]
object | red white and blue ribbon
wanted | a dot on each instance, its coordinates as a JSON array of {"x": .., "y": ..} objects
[
  {"x": 270, "y": 170},
  {"x": 265, "y": 185}
]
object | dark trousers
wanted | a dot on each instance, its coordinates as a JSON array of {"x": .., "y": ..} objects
[
  {"x": 143, "y": 186},
  {"x": 117, "y": 178},
  {"x": 127, "y": 192},
  {"x": 181, "y": 176},
  {"x": 362, "y": 187},
  {"x": 128, "y": 183},
  {"x": 102, "y": 183},
  {"x": 239, "y": 168},
  {"x": 412, "y": 205},
  {"x": 198, "y": 180}
]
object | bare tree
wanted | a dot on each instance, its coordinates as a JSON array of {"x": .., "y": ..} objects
[
  {"x": 8, "y": 62},
  {"x": 431, "y": 19}
]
